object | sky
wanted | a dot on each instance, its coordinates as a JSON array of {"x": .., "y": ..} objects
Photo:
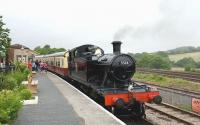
[{"x": 141, "y": 25}]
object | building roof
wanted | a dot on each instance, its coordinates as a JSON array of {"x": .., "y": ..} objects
[{"x": 18, "y": 46}]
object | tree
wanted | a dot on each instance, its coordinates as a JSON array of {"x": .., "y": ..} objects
[
  {"x": 37, "y": 48},
  {"x": 157, "y": 61},
  {"x": 47, "y": 47},
  {"x": 5, "y": 40},
  {"x": 186, "y": 62},
  {"x": 48, "y": 50}
]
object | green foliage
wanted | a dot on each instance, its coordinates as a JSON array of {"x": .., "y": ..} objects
[
  {"x": 12, "y": 92},
  {"x": 13, "y": 80},
  {"x": 185, "y": 49},
  {"x": 186, "y": 62},
  {"x": 188, "y": 68},
  {"x": 48, "y": 50},
  {"x": 8, "y": 83},
  {"x": 162, "y": 53},
  {"x": 20, "y": 67},
  {"x": 4, "y": 40},
  {"x": 158, "y": 60},
  {"x": 25, "y": 94},
  {"x": 10, "y": 103},
  {"x": 198, "y": 64}
]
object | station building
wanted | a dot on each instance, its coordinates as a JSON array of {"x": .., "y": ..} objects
[{"x": 21, "y": 53}]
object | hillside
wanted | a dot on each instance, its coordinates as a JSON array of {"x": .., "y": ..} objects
[
  {"x": 194, "y": 55},
  {"x": 184, "y": 49}
]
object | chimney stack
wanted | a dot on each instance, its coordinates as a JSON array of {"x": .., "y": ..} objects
[{"x": 116, "y": 47}]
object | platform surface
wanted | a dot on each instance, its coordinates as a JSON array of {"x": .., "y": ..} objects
[{"x": 61, "y": 104}]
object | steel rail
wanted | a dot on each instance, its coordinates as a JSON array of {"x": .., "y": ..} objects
[{"x": 175, "y": 116}]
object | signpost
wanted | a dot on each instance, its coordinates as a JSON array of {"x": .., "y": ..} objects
[{"x": 196, "y": 105}]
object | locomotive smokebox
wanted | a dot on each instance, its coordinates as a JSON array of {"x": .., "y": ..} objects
[{"x": 116, "y": 47}]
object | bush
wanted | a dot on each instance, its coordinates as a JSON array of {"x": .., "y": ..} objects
[
  {"x": 12, "y": 92},
  {"x": 10, "y": 104},
  {"x": 12, "y": 80},
  {"x": 20, "y": 67},
  {"x": 8, "y": 83},
  {"x": 185, "y": 62},
  {"x": 188, "y": 68},
  {"x": 25, "y": 94},
  {"x": 198, "y": 64},
  {"x": 157, "y": 61}
]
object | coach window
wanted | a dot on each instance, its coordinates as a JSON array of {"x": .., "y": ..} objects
[
  {"x": 76, "y": 54},
  {"x": 58, "y": 63},
  {"x": 62, "y": 63}
]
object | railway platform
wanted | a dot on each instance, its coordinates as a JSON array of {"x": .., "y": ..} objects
[{"x": 62, "y": 104}]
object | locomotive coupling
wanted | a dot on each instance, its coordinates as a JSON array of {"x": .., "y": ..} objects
[{"x": 157, "y": 99}]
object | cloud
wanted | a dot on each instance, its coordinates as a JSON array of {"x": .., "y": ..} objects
[{"x": 176, "y": 27}]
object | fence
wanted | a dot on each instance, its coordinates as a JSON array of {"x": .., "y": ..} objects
[
  {"x": 7, "y": 68},
  {"x": 175, "y": 98}
]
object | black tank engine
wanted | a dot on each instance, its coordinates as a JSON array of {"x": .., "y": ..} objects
[{"x": 109, "y": 76}]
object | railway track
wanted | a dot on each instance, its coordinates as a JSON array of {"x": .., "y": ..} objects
[
  {"x": 166, "y": 114},
  {"x": 174, "y": 90},
  {"x": 175, "y": 74}
]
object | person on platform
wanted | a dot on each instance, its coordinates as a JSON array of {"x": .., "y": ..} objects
[
  {"x": 37, "y": 65},
  {"x": 43, "y": 66},
  {"x": 33, "y": 66}
]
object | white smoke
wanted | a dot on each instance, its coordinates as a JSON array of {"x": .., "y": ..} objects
[{"x": 177, "y": 24}]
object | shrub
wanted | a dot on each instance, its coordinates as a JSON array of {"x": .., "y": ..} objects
[
  {"x": 186, "y": 62},
  {"x": 18, "y": 76},
  {"x": 8, "y": 83},
  {"x": 10, "y": 103},
  {"x": 188, "y": 68},
  {"x": 20, "y": 66},
  {"x": 12, "y": 80},
  {"x": 25, "y": 94},
  {"x": 157, "y": 61}
]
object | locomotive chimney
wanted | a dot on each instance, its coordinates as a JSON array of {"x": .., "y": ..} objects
[{"x": 116, "y": 47}]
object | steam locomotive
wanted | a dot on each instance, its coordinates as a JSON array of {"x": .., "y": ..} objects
[{"x": 106, "y": 77}]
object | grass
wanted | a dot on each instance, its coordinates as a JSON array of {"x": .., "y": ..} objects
[
  {"x": 194, "y": 55},
  {"x": 186, "y": 107},
  {"x": 167, "y": 81}
]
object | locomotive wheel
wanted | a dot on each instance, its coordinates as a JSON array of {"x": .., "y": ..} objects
[{"x": 139, "y": 110}]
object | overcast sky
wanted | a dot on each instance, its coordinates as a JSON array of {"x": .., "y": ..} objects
[{"x": 142, "y": 25}]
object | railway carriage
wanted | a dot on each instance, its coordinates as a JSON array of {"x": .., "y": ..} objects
[{"x": 57, "y": 62}]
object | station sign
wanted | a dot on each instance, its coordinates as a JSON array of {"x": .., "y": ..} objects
[{"x": 196, "y": 105}]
